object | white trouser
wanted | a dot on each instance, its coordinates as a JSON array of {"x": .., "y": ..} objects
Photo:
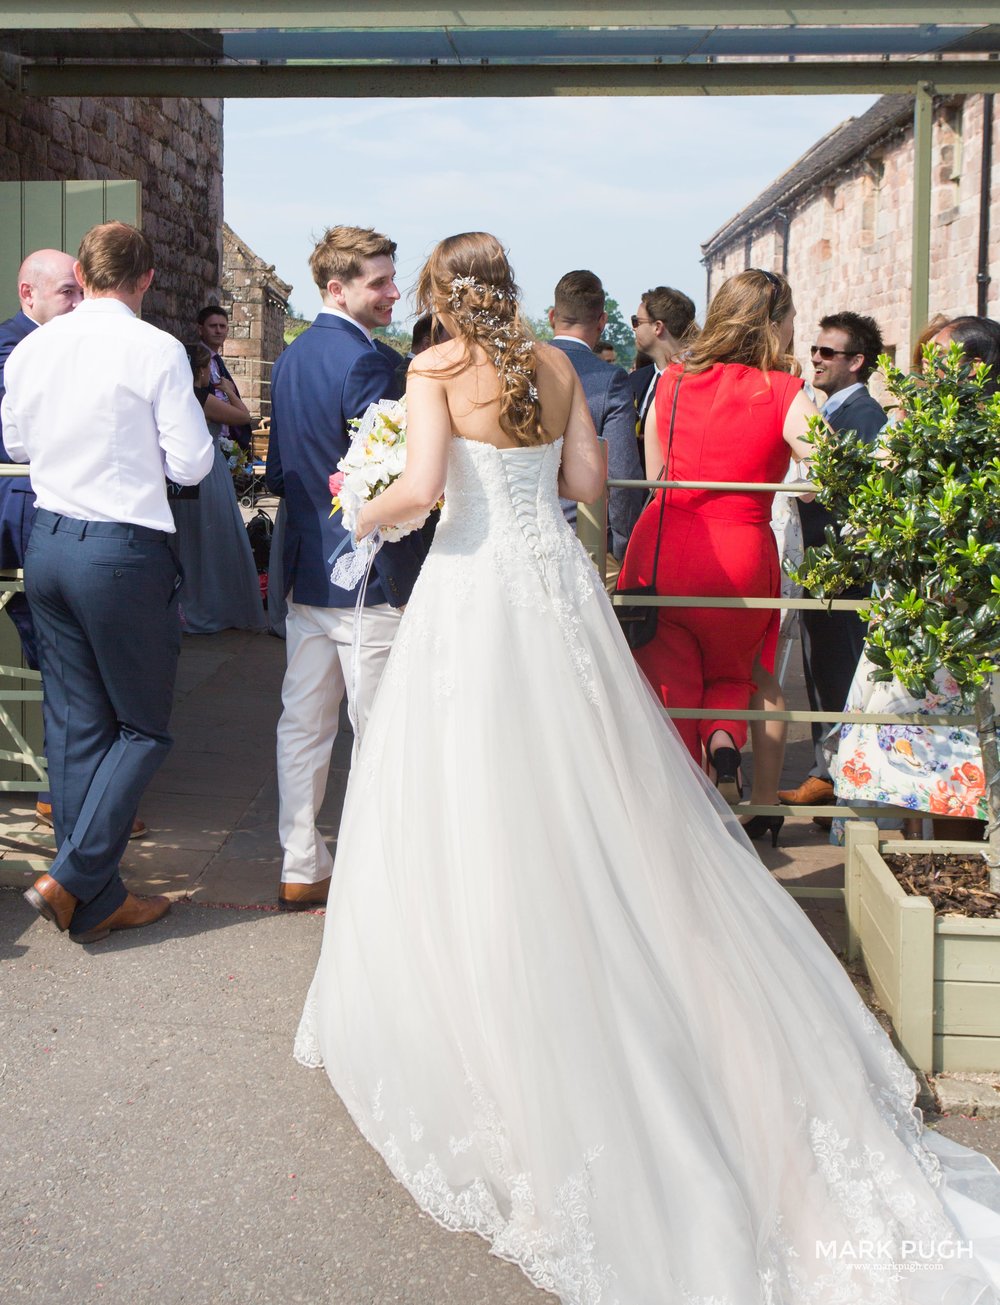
[{"x": 318, "y": 644}]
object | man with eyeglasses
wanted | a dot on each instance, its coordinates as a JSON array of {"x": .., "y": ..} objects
[
  {"x": 844, "y": 356},
  {"x": 662, "y": 326}
]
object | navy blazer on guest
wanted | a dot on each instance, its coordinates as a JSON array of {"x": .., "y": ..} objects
[
  {"x": 12, "y": 332},
  {"x": 17, "y": 498},
  {"x": 609, "y": 398},
  {"x": 639, "y": 383},
  {"x": 866, "y": 417},
  {"x": 325, "y": 378}
]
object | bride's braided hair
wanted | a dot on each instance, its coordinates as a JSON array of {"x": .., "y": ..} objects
[{"x": 469, "y": 280}]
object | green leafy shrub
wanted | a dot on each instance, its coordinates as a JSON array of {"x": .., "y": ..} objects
[{"x": 920, "y": 518}]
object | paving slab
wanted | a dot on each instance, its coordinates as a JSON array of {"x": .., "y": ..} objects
[
  {"x": 157, "y": 1141},
  {"x": 159, "y": 1144}
]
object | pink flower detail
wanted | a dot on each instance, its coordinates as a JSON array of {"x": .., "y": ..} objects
[{"x": 336, "y": 481}]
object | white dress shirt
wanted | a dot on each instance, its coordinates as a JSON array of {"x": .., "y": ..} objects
[
  {"x": 337, "y": 312},
  {"x": 647, "y": 398},
  {"x": 840, "y": 397},
  {"x": 103, "y": 407}
]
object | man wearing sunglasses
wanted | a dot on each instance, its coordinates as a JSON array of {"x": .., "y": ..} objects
[
  {"x": 844, "y": 356},
  {"x": 662, "y": 326}
]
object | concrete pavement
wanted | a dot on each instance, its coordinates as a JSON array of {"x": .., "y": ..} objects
[{"x": 157, "y": 1141}]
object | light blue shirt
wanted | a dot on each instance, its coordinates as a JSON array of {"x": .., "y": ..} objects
[{"x": 838, "y": 399}]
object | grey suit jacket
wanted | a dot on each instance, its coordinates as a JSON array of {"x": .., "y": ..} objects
[{"x": 609, "y": 398}]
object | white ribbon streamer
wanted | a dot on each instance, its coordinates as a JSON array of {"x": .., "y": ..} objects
[{"x": 347, "y": 573}]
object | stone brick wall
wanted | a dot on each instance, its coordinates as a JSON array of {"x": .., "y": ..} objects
[
  {"x": 257, "y": 300},
  {"x": 849, "y": 235},
  {"x": 172, "y": 146}
]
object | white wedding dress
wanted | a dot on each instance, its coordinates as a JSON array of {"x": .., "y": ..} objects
[{"x": 574, "y": 1013}]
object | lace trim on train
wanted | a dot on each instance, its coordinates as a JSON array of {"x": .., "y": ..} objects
[
  {"x": 306, "y": 1050},
  {"x": 554, "y": 1247}
]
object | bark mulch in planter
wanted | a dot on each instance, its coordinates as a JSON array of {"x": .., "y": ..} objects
[{"x": 954, "y": 884}]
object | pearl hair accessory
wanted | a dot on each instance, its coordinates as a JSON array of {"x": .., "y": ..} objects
[{"x": 499, "y": 334}]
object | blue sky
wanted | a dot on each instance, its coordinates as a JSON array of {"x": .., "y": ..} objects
[{"x": 627, "y": 187}]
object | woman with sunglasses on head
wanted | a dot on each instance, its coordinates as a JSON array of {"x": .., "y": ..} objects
[{"x": 730, "y": 411}]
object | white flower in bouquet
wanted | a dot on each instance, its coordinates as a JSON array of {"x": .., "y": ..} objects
[
  {"x": 376, "y": 457},
  {"x": 236, "y": 458}
]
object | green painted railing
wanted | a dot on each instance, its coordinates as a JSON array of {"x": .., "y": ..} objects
[{"x": 592, "y": 532}]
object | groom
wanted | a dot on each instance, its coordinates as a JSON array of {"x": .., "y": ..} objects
[{"x": 325, "y": 378}]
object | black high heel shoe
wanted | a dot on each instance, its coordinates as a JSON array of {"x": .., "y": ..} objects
[
  {"x": 756, "y": 826},
  {"x": 726, "y": 764}
]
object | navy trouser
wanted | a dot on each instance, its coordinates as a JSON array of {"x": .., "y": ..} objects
[
  {"x": 102, "y": 597},
  {"x": 832, "y": 644}
]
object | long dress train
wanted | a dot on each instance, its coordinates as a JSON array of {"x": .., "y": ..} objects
[{"x": 572, "y": 1012}]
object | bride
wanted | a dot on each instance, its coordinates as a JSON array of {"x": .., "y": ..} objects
[{"x": 573, "y": 1013}]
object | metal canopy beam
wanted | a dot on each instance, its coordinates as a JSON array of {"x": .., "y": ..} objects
[
  {"x": 379, "y": 81},
  {"x": 261, "y": 14}
]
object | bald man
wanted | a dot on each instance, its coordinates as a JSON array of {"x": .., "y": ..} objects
[{"x": 46, "y": 288}]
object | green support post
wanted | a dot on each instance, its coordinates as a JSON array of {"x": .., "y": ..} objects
[
  {"x": 592, "y": 523},
  {"x": 923, "y": 133}
]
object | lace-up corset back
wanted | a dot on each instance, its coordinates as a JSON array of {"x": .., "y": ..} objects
[
  {"x": 502, "y": 523},
  {"x": 495, "y": 495}
]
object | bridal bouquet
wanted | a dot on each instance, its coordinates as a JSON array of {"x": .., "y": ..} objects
[
  {"x": 375, "y": 459},
  {"x": 236, "y": 458}
]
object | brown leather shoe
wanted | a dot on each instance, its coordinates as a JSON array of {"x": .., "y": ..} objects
[
  {"x": 43, "y": 813},
  {"x": 52, "y": 901},
  {"x": 300, "y": 897},
  {"x": 812, "y": 792},
  {"x": 134, "y": 913}
]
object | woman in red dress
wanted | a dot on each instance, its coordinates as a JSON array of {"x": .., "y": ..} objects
[{"x": 740, "y": 416}]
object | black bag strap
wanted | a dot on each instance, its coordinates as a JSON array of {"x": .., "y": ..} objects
[{"x": 663, "y": 476}]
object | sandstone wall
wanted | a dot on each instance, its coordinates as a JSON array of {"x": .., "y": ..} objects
[
  {"x": 849, "y": 237},
  {"x": 257, "y": 300},
  {"x": 172, "y": 146}
]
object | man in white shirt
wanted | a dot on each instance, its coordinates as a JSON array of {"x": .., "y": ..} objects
[{"x": 103, "y": 406}]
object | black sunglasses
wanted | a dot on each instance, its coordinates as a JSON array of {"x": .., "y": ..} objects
[
  {"x": 636, "y": 319},
  {"x": 827, "y": 353}
]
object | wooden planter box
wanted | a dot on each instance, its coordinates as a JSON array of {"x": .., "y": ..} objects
[{"x": 937, "y": 979}]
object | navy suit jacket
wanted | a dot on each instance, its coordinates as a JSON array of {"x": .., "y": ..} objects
[
  {"x": 609, "y": 398},
  {"x": 12, "y": 332},
  {"x": 639, "y": 384},
  {"x": 17, "y": 498},
  {"x": 326, "y": 377},
  {"x": 864, "y": 415}
]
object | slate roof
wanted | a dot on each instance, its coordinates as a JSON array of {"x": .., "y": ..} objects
[{"x": 826, "y": 157}]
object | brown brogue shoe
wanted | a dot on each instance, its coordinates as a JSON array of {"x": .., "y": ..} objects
[
  {"x": 43, "y": 814},
  {"x": 302, "y": 897},
  {"x": 812, "y": 792},
  {"x": 134, "y": 913},
  {"x": 52, "y": 901}
]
